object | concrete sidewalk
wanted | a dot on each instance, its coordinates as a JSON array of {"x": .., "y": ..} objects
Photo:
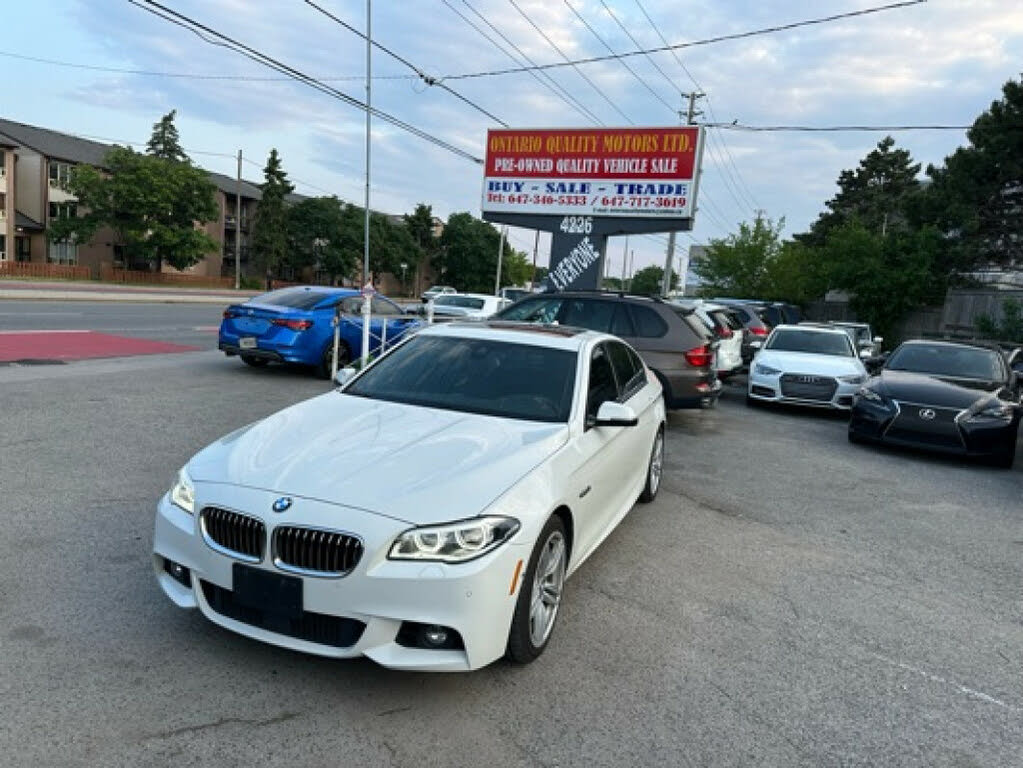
[{"x": 70, "y": 291}]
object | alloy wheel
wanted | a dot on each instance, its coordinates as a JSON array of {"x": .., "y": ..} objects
[{"x": 548, "y": 585}]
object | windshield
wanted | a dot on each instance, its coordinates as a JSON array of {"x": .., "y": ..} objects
[
  {"x": 813, "y": 342},
  {"x": 297, "y": 298},
  {"x": 516, "y": 381},
  {"x": 458, "y": 301},
  {"x": 947, "y": 360}
]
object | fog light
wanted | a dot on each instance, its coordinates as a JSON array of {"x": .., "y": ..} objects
[
  {"x": 178, "y": 572},
  {"x": 434, "y": 636}
]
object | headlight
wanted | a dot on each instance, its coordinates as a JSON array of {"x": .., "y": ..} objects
[
  {"x": 456, "y": 542},
  {"x": 856, "y": 378},
  {"x": 182, "y": 494},
  {"x": 869, "y": 394},
  {"x": 764, "y": 370},
  {"x": 990, "y": 410}
]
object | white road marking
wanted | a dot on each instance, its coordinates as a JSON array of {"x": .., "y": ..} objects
[
  {"x": 40, "y": 314},
  {"x": 971, "y": 692},
  {"x": 55, "y": 330}
]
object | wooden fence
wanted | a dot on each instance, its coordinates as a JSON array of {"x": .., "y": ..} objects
[{"x": 45, "y": 271}]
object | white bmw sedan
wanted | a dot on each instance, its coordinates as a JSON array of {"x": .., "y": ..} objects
[
  {"x": 806, "y": 365},
  {"x": 427, "y": 512}
]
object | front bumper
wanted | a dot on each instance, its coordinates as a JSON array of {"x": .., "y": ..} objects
[
  {"x": 876, "y": 422},
  {"x": 476, "y": 599},
  {"x": 768, "y": 389}
]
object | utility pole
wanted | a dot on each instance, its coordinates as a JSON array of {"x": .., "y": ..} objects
[
  {"x": 366, "y": 300},
  {"x": 692, "y": 113},
  {"x": 238, "y": 225},
  {"x": 625, "y": 260},
  {"x": 536, "y": 247},
  {"x": 500, "y": 257},
  {"x": 669, "y": 257}
]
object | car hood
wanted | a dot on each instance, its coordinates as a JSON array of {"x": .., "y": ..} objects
[
  {"x": 804, "y": 362},
  {"x": 928, "y": 390},
  {"x": 420, "y": 465}
]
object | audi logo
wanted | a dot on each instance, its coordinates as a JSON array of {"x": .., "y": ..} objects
[{"x": 808, "y": 379}]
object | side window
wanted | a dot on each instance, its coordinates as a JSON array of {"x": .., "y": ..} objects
[
  {"x": 631, "y": 377},
  {"x": 585, "y": 313},
  {"x": 602, "y": 386},
  {"x": 351, "y": 305},
  {"x": 621, "y": 323},
  {"x": 649, "y": 324},
  {"x": 382, "y": 306},
  {"x": 534, "y": 311}
]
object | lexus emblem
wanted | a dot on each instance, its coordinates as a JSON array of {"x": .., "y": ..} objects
[
  {"x": 927, "y": 414},
  {"x": 282, "y": 504}
]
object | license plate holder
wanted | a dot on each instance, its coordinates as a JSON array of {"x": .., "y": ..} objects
[
  {"x": 269, "y": 592},
  {"x": 247, "y": 342}
]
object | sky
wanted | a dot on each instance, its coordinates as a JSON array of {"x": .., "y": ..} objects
[{"x": 939, "y": 62}]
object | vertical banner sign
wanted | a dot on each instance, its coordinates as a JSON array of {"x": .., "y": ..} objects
[{"x": 616, "y": 172}]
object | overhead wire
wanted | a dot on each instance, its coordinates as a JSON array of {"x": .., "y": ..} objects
[
  {"x": 550, "y": 83},
  {"x": 578, "y": 71},
  {"x": 428, "y": 79},
  {"x": 214, "y": 37},
  {"x": 742, "y": 184},
  {"x": 694, "y": 43},
  {"x": 728, "y": 182},
  {"x": 191, "y": 75},
  {"x": 736, "y": 126}
]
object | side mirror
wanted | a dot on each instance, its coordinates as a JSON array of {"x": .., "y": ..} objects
[
  {"x": 865, "y": 353},
  {"x": 612, "y": 414},
  {"x": 756, "y": 346},
  {"x": 879, "y": 339},
  {"x": 343, "y": 376}
]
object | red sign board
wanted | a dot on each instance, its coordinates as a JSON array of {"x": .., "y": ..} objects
[{"x": 640, "y": 172}]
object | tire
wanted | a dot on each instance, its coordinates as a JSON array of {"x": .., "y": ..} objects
[
  {"x": 344, "y": 356},
  {"x": 530, "y": 634},
  {"x": 255, "y": 362},
  {"x": 654, "y": 470},
  {"x": 1005, "y": 460},
  {"x": 751, "y": 403},
  {"x": 854, "y": 438}
]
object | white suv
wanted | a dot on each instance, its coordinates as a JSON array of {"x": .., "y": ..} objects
[
  {"x": 806, "y": 365},
  {"x": 720, "y": 320}
]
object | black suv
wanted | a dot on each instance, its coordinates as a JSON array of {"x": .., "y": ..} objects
[{"x": 672, "y": 341}]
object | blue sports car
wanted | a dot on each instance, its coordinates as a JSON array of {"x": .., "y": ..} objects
[{"x": 295, "y": 325}]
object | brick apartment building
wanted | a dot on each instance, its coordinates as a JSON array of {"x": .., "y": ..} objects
[{"x": 34, "y": 164}]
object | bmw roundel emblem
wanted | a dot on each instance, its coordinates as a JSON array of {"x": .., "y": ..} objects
[{"x": 282, "y": 504}]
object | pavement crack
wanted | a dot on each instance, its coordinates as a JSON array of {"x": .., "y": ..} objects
[
  {"x": 284, "y": 717},
  {"x": 395, "y": 711}
]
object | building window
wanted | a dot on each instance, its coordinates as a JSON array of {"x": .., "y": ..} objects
[
  {"x": 3, "y": 201},
  {"x": 3, "y": 162},
  {"x": 63, "y": 210},
  {"x": 59, "y": 173},
  {"x": 63, "y": 252},
  {"x": 3, "y": 247}
]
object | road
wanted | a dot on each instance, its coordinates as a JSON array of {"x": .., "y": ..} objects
[
  {"x": 788, "y": 600},
  {"x": 189, "y": 324}
]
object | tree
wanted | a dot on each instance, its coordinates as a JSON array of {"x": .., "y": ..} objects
[
  {"x": 151, "y": 203},
  {"x": 269, "y": 231},
  {"x": 976, "y": 198},
  {"x": 317, "y": 237},
  {"x": 648, "y": 281},
  {"x": 468, "y": 256},
  {"x": 876, "y": 193},
  {"x": 164, "y": 140},
  {"x": 886, "y": 276},
  {"x": 738, "y": 264},
  {"x": 420, "y": 227}
]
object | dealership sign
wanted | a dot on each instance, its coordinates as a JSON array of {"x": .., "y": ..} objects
[{"x": 603, "y": 172}]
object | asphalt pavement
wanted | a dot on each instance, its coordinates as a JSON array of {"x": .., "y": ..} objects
[{"x": 788, "y": 600}]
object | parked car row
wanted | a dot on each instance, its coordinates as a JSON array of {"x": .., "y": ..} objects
[{"x": 961, "y": 398}]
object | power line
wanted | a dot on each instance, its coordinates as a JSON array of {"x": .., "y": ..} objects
[
  {"x": 621, "y": 61},
  {"x": 581, "y": 74},
  {"x": 419, "y": 72},
  {"x": 694, "y": 43},
  {"x": 190, "y": 75},
  {"x": 846, "y": 128},
  {"x": 633, "y": 72},
  {"x": 550, "y": 83},
  {"x": 213, "y": 37}
]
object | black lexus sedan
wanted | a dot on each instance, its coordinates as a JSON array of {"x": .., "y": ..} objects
[{"x": 958, "y": 398}]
